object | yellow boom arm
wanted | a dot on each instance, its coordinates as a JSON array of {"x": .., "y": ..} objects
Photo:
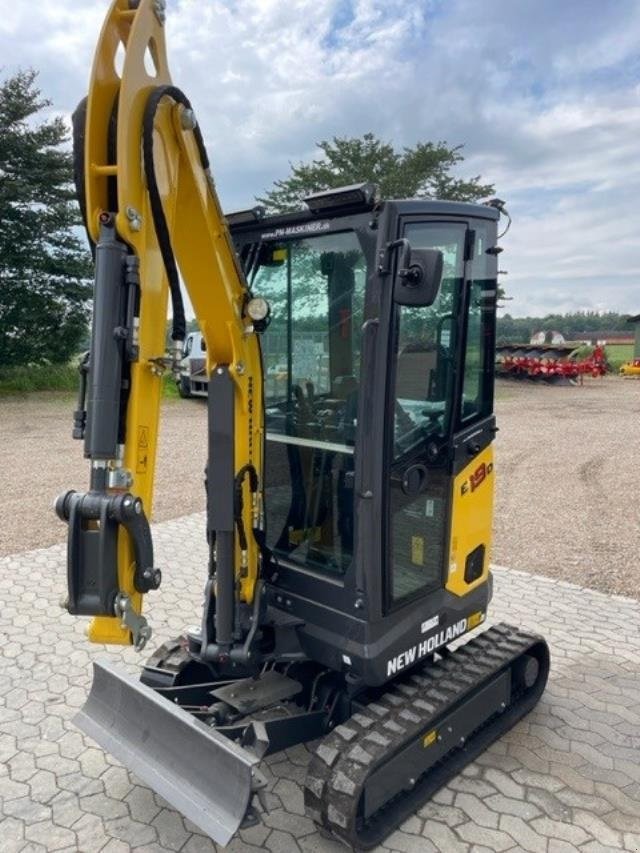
[{"x": 130, "y": 65}]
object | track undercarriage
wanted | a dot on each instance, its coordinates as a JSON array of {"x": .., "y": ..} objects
[{"x": 378, "y": 754}]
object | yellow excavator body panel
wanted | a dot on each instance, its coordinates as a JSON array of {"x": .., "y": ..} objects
[{"x": 471, "y": 523}]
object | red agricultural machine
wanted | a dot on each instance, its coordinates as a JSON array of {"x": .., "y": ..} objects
[{"x": 553, "y": 363}]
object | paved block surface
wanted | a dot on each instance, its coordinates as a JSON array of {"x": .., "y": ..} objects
[{"x": 566, "y": 778}]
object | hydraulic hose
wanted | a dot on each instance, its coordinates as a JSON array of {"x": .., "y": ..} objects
[
  {"x": 157, "y": 211},
  {"x": 79, "y": 124}
]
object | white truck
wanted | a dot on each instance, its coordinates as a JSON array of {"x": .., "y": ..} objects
[
  {"x": 309, "y": 362},
  {"x": 193, "y": 381}
]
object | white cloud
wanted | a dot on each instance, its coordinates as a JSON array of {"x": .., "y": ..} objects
[{"x": 545, "y": 96}]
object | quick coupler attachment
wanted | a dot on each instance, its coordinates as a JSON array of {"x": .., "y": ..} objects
[{"x": 92, "y": 552}]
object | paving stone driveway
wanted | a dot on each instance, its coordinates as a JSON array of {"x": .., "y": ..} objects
[{"x": 566, "y": 778}]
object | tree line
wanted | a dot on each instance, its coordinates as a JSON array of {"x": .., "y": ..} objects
[
  {"x": 45, "y": 268},
  {"x": 571, "y": 325}
]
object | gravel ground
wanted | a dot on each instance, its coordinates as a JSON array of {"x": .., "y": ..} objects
[
  {"x": 568, "y": 465},
  {"x": 567, "y": 476},
  {"x": 41, "y": 461}
]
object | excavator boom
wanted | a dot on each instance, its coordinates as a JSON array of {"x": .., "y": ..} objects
[{"x": 151, "y": 209}]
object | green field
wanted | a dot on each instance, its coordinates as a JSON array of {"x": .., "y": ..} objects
[
  {"x": 43, "y": 377},
  {"x": 617, "y": 354},
  {"x": 55, "y": 377},
  {"x": 169, "y": 387}
]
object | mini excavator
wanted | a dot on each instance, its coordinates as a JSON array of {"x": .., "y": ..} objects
[{"x": 349, "y": 483}]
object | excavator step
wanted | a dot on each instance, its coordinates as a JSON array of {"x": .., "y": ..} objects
[{"x": 386, "y": 760}]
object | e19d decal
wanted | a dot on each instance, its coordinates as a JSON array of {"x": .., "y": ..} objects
[{"x": 477, "y": 478}]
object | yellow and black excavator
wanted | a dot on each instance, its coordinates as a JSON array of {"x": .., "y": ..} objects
[{"x": 350, "y": 361}]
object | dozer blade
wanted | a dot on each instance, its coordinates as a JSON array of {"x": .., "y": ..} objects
[{"x": 207, "y": 777}]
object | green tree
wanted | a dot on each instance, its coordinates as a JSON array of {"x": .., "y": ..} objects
[
  {"x": 423, "y": 171},
  {"x": 573, "y": 325},
  {"x": 44, "y": 268}
]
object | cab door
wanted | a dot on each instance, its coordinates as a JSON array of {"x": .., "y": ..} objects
[
  {"x": 474, "y": 423},
  {"x": 424, "y": 344},
  {"x": 440, "y": 422}
]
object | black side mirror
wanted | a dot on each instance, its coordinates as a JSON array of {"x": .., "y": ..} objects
[{"x": 419, "y": 276}]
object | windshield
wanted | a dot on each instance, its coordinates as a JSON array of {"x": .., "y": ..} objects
[
  {"x": 311, "y": 353},
  {"x": 315, "y": 287}
]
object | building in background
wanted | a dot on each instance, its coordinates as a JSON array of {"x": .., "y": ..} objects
[{"x": 635, "y": 322}]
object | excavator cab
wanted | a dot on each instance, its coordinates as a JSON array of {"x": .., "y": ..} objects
[
  {"x": 348, "y": 357},
  {"x": 384, "y": 411}
]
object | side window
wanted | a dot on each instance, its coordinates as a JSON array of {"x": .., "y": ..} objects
[
  {"x": 309, "y": 319},
  {"x": 272, "y": 280},
  {"x": 188, "y": 345},
  {"x": 426, "y": 344},
  {"x": 477, "y": 387}
]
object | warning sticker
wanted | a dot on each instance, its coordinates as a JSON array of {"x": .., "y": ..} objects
[
  {"x": 141, "y": 464},
  {"x": 430, "y": 738},
  {"x": 143, "y": 436},
  {"x": 417, "y": 550},
  {"x": 143, "y": 450}
]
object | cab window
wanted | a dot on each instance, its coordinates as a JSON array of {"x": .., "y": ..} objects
[
  {"x": 311, "y": 352},
  {"x": 425, "y": 344},
  {"x": 477, "y": 385}
]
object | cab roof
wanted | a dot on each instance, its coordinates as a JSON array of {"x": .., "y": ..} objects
[{"x": 405, "y": 207}]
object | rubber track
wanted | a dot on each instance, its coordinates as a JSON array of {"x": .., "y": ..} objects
[{"x": 347, "y": 756}]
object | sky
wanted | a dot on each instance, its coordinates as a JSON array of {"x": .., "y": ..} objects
[{"x": 544, "y": 95}]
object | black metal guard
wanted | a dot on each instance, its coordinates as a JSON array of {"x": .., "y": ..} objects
[{"x": 92, "y": 552}]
